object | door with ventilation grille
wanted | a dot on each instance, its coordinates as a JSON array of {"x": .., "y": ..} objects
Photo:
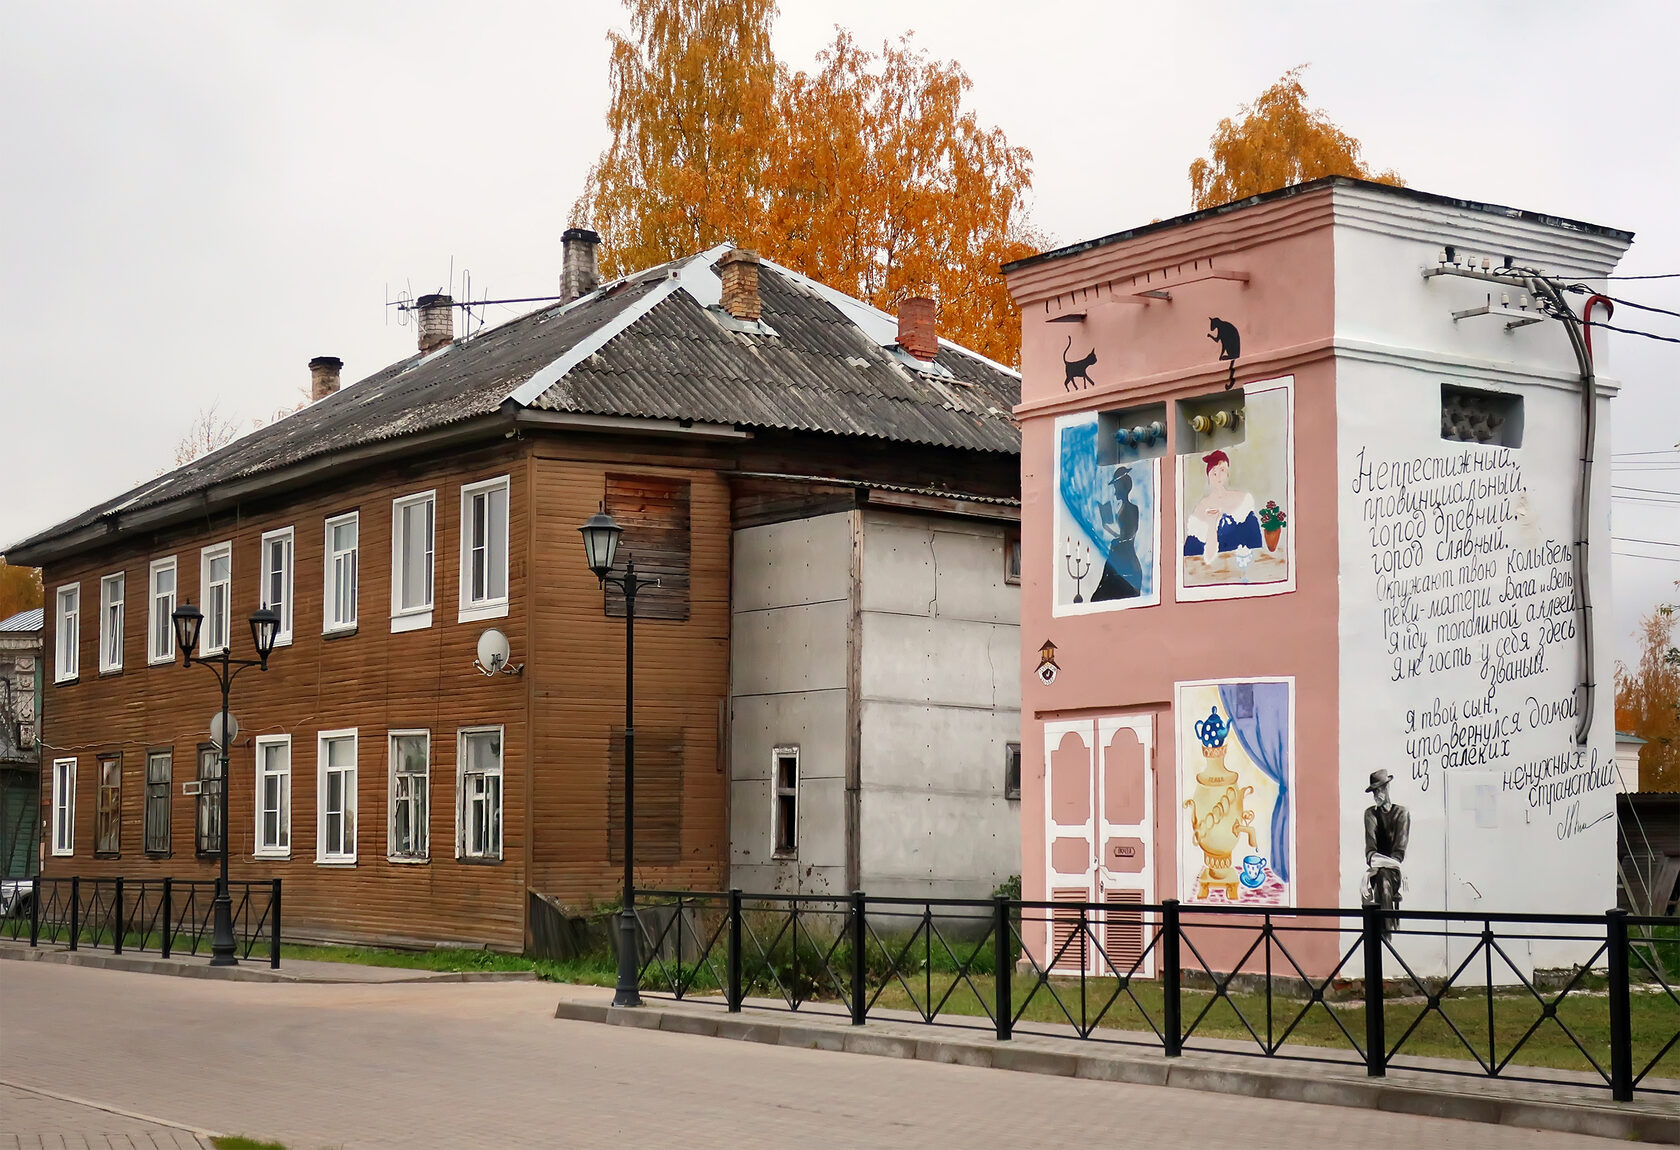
[
  {"x": 1070, "y": 844},
  {"x": 1125, "y": 872}
]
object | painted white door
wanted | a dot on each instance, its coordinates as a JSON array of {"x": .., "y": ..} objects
[
  {"x": 1125, "y": 826},
  {"x": 1070, "y": 842}
]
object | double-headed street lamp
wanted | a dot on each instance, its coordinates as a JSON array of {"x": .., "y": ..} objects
[
  {"x": 265, "y": 626},
  {"x": 600, "y": 544}
]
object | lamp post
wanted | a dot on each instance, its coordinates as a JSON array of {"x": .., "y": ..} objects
[
  {"x": 600, "y": 544},
  {"x": 265, "y": 626}
]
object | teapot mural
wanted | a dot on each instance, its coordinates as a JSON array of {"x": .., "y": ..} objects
[{"x": 1219, "y": 814}]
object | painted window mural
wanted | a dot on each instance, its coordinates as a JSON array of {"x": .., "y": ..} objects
[
  {"x": 1108, "y": 481},
  {"x": 1236, "y": 486},
  {"x": 1236, "y": 773}
]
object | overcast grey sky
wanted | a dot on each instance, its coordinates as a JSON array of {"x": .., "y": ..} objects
[{"x": 198, "y": 197}]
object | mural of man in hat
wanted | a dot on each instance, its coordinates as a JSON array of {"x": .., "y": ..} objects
[{"x": 1388, "y": 827}]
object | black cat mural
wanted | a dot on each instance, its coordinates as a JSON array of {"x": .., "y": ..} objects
[
  {"x": 1076, "y": 368},
  {"x": 1229, "y": 339}
]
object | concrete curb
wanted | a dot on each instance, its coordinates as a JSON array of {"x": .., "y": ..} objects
[
  {"x": 203, "y": 1136},
  {"x": 1303, "y": 1085},
  {"x": 248, "y": 972}
]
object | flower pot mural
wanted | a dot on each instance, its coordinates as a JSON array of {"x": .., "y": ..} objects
[
  {"x": 1272, "y": 523},
  {"x": 1219, "y": 814}
]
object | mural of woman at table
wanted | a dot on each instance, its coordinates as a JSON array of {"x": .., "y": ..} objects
[
  {"x": 1107, "y": 523},
  {"x": 1234, "y": 490}
]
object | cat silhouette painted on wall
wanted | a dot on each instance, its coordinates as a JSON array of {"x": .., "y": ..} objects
[
  {"x": 1076, "y": 368},
  {"x": 1225, "y": 333},
  {"x": 1122, "y": 576}
]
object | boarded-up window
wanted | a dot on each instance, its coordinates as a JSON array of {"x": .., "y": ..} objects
[
  {"x": 659, "y": 784},
  {"x": 654, "y": 515}
]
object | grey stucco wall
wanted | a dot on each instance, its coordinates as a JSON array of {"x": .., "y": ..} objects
[
  {"x": 790, "y": 612},
  {"x": 940, "y": 698}
]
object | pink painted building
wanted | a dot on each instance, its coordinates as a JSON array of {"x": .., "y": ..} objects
[{"x": 1300, "y": 482}]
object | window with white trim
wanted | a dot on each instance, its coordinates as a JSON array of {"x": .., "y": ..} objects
[
  {"x": 111, "y": 595},
  {"x": 484, "y": 549},
  {"x": 274, "y": 796},
  {"x": 107, "y": 814},
  {"x": 338, "y": 604},
  {"x": 64, "y": 807},
  {"x": 160, "y": 631},
  {"x": 216, "y": 585},
  {"x": 160, "y": 766},
  {"x": 784, "y": 809},
  {"x": 276, "y": 592},
  {"x": 413, "y": 541},
  {"x": 478, "y": 816},
  {"x": 67, "y": 651},
  {"x": 411, "y": 786},
  {"x": 335, "y": 797}
]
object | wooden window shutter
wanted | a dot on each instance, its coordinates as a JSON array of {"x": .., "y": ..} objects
[
  {"x": 659, "y": 790},
  {"x": 654, "y": 514}
]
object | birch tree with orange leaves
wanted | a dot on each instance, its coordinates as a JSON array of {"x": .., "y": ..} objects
[
  {"x": 1274, "y": 142},
  {"x": 866, "y": 173},
  {"x": 1648, "y": 700}
]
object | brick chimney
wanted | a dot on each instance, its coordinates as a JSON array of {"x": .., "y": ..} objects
[
  {"x": 739, "y": 268},
  {"x": 580, "y": 271},
  {"x": 437, "y": 321},
  {"x": 323, "y": 376},
  {"x": 916, "y": 332}
]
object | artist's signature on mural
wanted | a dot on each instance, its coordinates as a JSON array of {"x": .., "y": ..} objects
[{"x": 1572, "y": 824}]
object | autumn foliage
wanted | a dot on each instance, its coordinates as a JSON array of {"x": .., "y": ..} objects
[
  {"x": 866, "y": 173},
  {"x": 1648, "y": 700},
  {"x": 20, "y": 589},
  {"x": 1272, "y": 143}
]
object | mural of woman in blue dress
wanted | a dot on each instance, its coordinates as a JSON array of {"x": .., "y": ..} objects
[
  {"x": 1122, "y": 576},
  {"x": 1224, "y": 519}
]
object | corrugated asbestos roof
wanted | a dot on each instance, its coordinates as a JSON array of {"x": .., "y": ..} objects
[
  {"x": 828, "y": 368},
  {"x": 30, "y": 620}
]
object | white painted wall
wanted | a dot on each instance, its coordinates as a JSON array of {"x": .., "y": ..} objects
[
  {"x": 940, "y": 700},
  {"x": 1508, "y": 814}
]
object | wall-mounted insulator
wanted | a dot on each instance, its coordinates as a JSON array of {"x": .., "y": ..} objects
[
  {"x": 1222, "y": 419},
  {"x": 1157, "y": 432},
  {"x": 1201, "y": 423}
]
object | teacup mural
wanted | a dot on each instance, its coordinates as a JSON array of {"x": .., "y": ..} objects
[
  {"x": 1234, "y": 534},
  {"x": 1107, "y": 516},
  {"x": 1236, "y": 750}
]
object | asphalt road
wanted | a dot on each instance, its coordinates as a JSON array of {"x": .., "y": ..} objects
[{"x": 486, "y": 1065}]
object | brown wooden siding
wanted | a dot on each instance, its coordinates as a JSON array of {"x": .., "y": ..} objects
[{"x": 371, "y": 680}]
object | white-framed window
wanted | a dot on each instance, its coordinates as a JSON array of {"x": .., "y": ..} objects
[
  {"x": 411, "y": 796},
  {"x": 160, "y": 595},
  {"x": 484, "y": 549},
  {"x": 67, "y": 651},
  {"x": 276, "y": 592},
  {"x": 335, "y": 797},
  {"x": 112, "y": 590},
  {"x": 274, "y": 796},
  {"x": 478, "y": 816},
  {"x": 64, "y": 807},
  {"x": 784, "y": 802},
  {"x": 338, "y": 602},
  {"x": 216, "y": 583},
  {"x": 413, "y": 541}
]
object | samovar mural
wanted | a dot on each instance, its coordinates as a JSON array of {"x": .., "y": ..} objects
[{"x": 1219, "y": 812}]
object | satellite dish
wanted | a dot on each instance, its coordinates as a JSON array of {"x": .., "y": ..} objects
[
  {"x": 216, "y": 729},
  {"x": 493, "y": 652}
]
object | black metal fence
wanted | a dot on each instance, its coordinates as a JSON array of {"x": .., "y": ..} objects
[
  {"x": 169, "y": 916},
  {"x": 1524, "y": 997}
]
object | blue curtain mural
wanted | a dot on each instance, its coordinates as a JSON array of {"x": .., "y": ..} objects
[{"x": 1260, "y": 716}]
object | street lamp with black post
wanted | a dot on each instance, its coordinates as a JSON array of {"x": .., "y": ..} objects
[
  {"x": 600, "y": 544},
  {"x": 265, "y": 626}
]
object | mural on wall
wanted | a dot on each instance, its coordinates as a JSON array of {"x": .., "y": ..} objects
[
  {"x": 1234, "y": 534},
  {"x": 1388, "y": 831},
  {"x": 1225, "y": 334},
  {"x": 1107, "y": 522},
  {"x": 1076, "y": 369},
  {"x": 1236, "y": 767}
]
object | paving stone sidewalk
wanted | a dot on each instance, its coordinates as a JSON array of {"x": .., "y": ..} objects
[{"x": 31, "y": 1120}]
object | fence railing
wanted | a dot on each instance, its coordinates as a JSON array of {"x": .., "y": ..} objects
[
  {"x": 1547, "y": 998},
  {"x": 169, "y": 916}
]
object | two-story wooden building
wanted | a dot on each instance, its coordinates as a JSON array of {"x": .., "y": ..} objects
[{"x": 400, "y": 792}]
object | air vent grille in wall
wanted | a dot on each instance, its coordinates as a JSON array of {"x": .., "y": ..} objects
[{"x": 1472, "y": 416}]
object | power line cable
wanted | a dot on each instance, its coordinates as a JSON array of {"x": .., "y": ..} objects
[
  {"x": 1655, "y": 451},
  {"x": 1645, "y": 542},
  {"x": 1584, "y": 289},
  {"x": 1634, "y": 331}
]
